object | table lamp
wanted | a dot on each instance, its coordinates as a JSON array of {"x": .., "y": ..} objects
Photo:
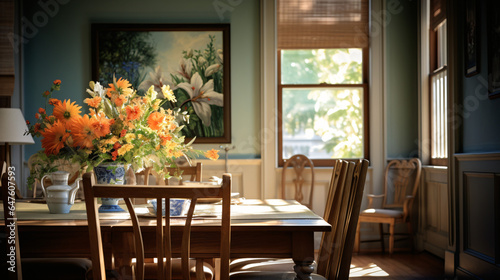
[{"x": 13, "y": 130}]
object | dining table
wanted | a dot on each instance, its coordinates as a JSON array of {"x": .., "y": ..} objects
[{"x": 270, "y": 228}]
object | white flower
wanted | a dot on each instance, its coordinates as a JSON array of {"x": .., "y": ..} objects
[
  {"x": 156, "y": 79},
  {"x": 214, "y": 68},
  {"x": 98, "y": 90},
  {"x": 185, "y": 68},
  {"x": 202, "y": 61},
  {"x": 202, "y": 96}
]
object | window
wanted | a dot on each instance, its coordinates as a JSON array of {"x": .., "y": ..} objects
[
  {"x": 438, "y": 86},
  {"x": 322, "y": 82}
]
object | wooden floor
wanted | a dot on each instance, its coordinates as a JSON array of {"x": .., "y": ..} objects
[{"x": 371, "y": 266}]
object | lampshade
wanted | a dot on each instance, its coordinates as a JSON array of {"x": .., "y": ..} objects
[{"x": 13, "y": 127}]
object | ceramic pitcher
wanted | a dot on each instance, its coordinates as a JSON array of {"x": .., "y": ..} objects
[{"x": 60, "y": 196}]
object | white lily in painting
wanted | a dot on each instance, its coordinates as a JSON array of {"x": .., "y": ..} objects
[
  {"x": 185, "y": 68},
  {"x": 214, "y": 68},
  {"x": 158, "y": 80},
  {"x": 202, "y": 96}
]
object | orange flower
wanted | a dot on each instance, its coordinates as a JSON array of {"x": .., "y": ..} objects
[
  {"x": 155, "y": 120},
  {"x": 101, "y": 125},
  {"x": 117, "y": 146},
  {"x": 46, "y": 93},
  {"x": 212, "y": 154},
  {"x": 37, "y": 116},
  {"x": 82, "y": 132},
  {"x": 114, "y": 155},
  {"x": 27, "y": 122},
  {"x": 93, "y": 102},
  {"x": 54, "y": 101},
  {"x": 37, "y": 127},
  {"x": 41, "y": 110},
  {"x": 119, "y": 100},
  {"x": 54, "y": 138},
  {"x": 165, "y": 139},
  {"x": 57, "y": 82},
  {"x": 133, "y": 113},
  {"x": 66, "y": 111},
  {"x": 122, "y": 87}
]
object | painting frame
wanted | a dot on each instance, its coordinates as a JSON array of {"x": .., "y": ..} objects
[
  {"x": 472, "y": 54},
  {"x": 493, "y": 50},
  {"x": 209, "y": 122}
]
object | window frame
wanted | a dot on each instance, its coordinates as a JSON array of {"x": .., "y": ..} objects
[
  {"x": 366, "y": 125},
  {"x": 435, "y": 69}
]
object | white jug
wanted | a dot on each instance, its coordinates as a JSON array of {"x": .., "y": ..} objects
[{"x": 60, "y": 196}]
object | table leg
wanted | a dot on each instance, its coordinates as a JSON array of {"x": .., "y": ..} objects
[{"x": 303, "y": 254}]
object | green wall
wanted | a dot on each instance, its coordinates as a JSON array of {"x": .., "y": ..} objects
[
  {"x": 479, "y": 116},
  {"x": 58, "y": 46},
  {"x": 401, "y": 66}
]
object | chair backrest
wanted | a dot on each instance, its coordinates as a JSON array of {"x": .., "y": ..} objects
[
  {"x": 302, "y": 189},
  {"x": 345, "y": 195},
  {"x": 192, "y": 173},
  {"x": 401, "y": 179},
  {"x": 9, "y": 215},
  {"x": 163, "y": 228}
]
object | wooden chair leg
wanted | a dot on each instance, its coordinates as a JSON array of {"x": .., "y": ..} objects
[
  {"x": 358, "y": 238},
  {"x": 381, "y": 232},
  {"x": 391, "y": 238}
]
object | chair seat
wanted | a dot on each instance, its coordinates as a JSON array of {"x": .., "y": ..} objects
[
  {"x": 150, "y": 270},
  {"x": 268, "y": 275},
  {"x": 382, "y": 213},
  {"x": 55, "y": 268}
]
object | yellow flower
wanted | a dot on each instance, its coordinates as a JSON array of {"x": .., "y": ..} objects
[
  {"x": 129, "y": 137},
  {"x": 125, "y": 148},
  {"x": 168, "y": 93}
]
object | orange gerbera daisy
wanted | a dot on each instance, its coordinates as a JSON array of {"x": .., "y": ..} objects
[
  {"x": 133, "y": 112},
  {"x": 82, "y": 132},
  {"x": 54, "y": 138},
  {"x": 155, "y": 120},
  {"x": 93, "y": 102},
  {"x": 67, "y": 110},
  {"x": 212, "y": 154},
  {"x": 101, "y": 125},
  {"x": 119, "y": 100},
  {"x": 122, "y": 87}
]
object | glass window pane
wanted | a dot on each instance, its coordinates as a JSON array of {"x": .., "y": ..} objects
[
  {"x": 323, "y": 123},
  {"x": 331, "y": 66}
]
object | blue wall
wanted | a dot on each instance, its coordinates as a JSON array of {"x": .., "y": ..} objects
[
  {"x": 401, "y": 64},
  {"x": 479, "y": 117},
  {"x": 58, "y": 46}
]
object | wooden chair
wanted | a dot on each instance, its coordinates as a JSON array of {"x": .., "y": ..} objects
[
  {"x": 341, "y": 211},
  {"x": 183, "y": 172},
  {"x": 163, "y": 229},
  {"x": 33, "y": 268},
  {"x": 401, "y": 181},
  {"x": 303, "y": 189}
]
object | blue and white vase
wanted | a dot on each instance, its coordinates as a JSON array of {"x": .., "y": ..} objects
[{"x": 111, "y": 173}]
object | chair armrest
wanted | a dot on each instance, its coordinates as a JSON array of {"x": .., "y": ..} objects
[{"x": 371, "y": 197}]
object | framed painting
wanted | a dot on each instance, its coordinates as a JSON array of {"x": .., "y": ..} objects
[
  {"x": 192, "y": 59},
  {"x": 493, "y": 49},
  {"x": 471, "y": 40}
]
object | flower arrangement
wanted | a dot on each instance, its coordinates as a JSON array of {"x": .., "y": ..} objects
[{"x": 121, "y": 126}]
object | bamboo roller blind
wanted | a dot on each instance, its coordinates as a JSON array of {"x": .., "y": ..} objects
[
  {"x": 6, "y": 48},
  {"x": 321, "y": 24}
]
